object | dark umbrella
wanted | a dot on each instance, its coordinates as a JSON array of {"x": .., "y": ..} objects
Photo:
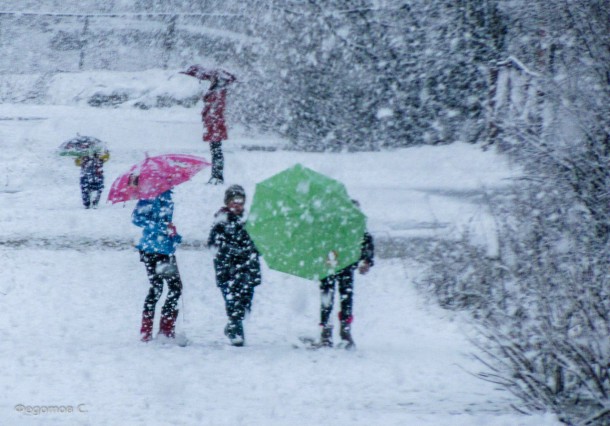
[
  {"x": 82, "y": 145},
  {"x": 202, "y": 73}
]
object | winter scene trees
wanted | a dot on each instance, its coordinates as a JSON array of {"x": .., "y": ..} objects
[{"x": 475, "y": 135}]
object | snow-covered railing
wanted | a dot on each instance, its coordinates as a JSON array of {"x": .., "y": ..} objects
[{"x": 119, "y": 41}]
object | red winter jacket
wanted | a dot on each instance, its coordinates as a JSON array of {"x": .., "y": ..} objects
[{"x": 213, "y": 115}]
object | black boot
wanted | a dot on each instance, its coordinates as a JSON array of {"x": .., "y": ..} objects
[
  {"x": 346, "y": 332},
  {"x": 215, "y": 181},
  {"x": 326, "y": 336},
  {"x": 234, "y": 330},
  {"x": 95, "y": 200}
]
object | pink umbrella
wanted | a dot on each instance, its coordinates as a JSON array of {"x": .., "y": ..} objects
[{"x": 154, "y": 176}]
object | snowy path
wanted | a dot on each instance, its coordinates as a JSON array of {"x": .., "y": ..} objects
[
  {"x": 71, "y": 339},
  {"x": 70, "y": 314}
]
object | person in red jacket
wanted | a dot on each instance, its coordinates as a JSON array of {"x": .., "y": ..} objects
[
  {"x": 213, "y": 117},
  {"x": 213, "y": 114}
]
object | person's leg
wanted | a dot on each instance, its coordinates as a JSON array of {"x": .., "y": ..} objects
[
  {"x": 96, "y": 194},
  {"x": 327, "y": 296},
  {"x": 217, "y": 163},
  {"x": 169, "y": 312},
  {"x": 154, "y": 293},
  {"x": 346, "y": 293},
  {"x": 247, "y": 295},
  {"x": 224, "y": 282},
  {"x": 84, "y": 189},
  {"x": 230, "y": 289},
  {"x": 235, "y": 313},
  {"x": 244, "y": 293},
  {"x": 244, "y": 288}
]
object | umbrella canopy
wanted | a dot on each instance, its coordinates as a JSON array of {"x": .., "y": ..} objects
[
  {"x": 81, "y": 146},
  {"x": 202, "y": 73},
  {"x": 154, "y": 176},
  {"x": 305, "y": 224}
]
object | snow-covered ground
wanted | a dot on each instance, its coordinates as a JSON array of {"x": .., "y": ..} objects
[{"x": 72, "y": 289}]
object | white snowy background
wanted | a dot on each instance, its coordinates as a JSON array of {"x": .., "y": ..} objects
[{"x": 72, "y": 287}]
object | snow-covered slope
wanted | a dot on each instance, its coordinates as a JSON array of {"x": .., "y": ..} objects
[{"x": 72, "y": 289}]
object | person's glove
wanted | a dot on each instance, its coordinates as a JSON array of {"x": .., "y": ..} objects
[
  {"x": 171, "y": 230},
  {"x": 364, "y": 266}
]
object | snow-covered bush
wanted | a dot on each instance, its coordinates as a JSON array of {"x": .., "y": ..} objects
[{"x": 543, "y": 305}]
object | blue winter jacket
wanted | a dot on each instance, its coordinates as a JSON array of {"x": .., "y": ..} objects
[{"x": 154, "y": 216}]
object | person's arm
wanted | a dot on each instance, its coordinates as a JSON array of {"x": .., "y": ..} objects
[
  {"x": 216, "y": 237},
  {"x": 173, "y": 234},
  {"x": 367, "y": 255},
  {"x": 230, "y": 78},
  {"x": 141, "y": 213},
  {"x": 254, "y": 263},
  {"x": 255, "y": 269}
]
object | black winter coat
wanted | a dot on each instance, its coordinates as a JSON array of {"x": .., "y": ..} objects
[
  {"x": 92, "y": 172},
  {"x": 368, "y": 249},
  {"x": 367, "y": 252},
  {"x": 237, "y": 259}
]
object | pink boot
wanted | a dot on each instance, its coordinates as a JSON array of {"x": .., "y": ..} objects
[
  {"x": 168, "y": 325},
  {"x": 147, "y": 326}
]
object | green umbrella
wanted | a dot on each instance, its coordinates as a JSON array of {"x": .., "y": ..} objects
[{"x": 305, "y": 224}]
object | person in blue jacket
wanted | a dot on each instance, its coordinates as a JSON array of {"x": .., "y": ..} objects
[{"x": 157, "y": 247}]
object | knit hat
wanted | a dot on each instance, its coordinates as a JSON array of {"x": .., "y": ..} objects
[{"x": 233, "y": 192}]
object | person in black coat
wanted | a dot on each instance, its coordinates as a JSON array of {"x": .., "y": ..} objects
[
  {"x": 91, "y": 178},
  {"x": 344, "y": 280},
  {"x": 236, "y": 263}
]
